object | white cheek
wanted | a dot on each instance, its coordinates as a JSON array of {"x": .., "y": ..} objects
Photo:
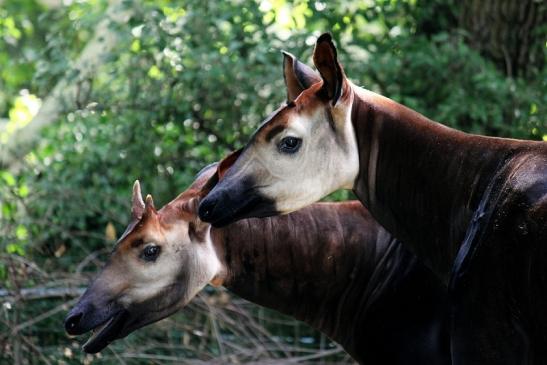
[
  {"x": 209, "y": 266},
  {"x": 195, "y": 264},
  {"x": 149, "y": 279},
  {"x": 323, "y": 165}
]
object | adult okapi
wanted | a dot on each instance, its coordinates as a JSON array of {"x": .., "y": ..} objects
[
  {"x": 330, "y": 265},
  {"x": 473, "y": 208}
]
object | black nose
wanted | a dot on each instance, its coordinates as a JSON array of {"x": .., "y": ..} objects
[
  {"x": 206, "y": 208},
  {"x": 72, "y": 323}
]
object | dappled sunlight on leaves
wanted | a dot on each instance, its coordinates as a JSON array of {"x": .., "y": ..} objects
[{"x": 25, "y": 107}]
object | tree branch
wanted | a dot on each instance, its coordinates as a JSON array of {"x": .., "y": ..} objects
[
  {"x": 65, "y": 93},
  {"x": 40, "y": 293}
]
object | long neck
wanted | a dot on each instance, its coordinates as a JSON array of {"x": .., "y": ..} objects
[
  {"x": 420, "y": 179},
  {"x": 330, "y": 266},
  {"x": 301, "y": 264}
]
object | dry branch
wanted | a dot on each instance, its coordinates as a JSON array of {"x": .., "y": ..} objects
[{"x": 40, "y": 293}]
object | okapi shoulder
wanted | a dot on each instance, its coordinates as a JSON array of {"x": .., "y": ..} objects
[
  {"x": 527, "y": 186},
  {"x": 529, "y": 173},
  {"x": 526, "y": 183}
]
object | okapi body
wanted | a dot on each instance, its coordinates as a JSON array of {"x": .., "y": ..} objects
[
  {"x": 473, "y": 208},
  {"x": 330, "y": 265}
]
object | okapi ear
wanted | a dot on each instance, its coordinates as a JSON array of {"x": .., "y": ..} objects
[
  {"x": 197, "y": 230},
  {"x": 325, "y": 59},
  {"x": 137, "y": 204},
  {"x": 298, "y": 76},
  {"x": 227, "y": 162},
  {"x": 222, "y": 168}
]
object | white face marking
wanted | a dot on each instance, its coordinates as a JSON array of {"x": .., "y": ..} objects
[
  {"x": 190, "y": 265},
  {"x": 326, "y": 161}
]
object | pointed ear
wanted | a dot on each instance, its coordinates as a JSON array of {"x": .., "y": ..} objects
[
  {"x": 149, "y": 206},
  {"x": 137, "y": 204},
  {"x": 298, "y": 76},
  {"x": 138, "y": 210},
  {"x": 222, "y": 168},
  {"x": 325, "y": 59},
  {"x": 197, "y": 230},
  {"x": 227, "y": 162}
]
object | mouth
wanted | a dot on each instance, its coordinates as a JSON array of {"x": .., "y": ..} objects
[
  {"x": 229, "y": 218},
  {"x": 105, "y": 333},
  {"x": 232, "y": 214},
  {"x": 256, "y": 207}
]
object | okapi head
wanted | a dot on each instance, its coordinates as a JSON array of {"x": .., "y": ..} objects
[
  {"x": 302, "y": 152},
  {"x": 160, "y": 263}
]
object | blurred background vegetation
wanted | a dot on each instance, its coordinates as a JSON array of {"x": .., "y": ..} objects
[{"x": 95, "y": 94}]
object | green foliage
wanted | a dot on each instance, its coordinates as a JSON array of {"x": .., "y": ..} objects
[
  {"x": 458, "y": 87},
  {"x": 187, "y": 82}
]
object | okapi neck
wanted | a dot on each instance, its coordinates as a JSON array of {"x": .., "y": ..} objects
[
  {"x": 422, "y": 180},
  {"x": 333, "y": 267},
  {"x": 314, "y": 265}
]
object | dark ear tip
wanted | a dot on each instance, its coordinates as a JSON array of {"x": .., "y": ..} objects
[{"x": 325, "y": 37}]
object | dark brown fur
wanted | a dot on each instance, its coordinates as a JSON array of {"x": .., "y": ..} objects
[
  {"x": 432, "y": 181},
  {"x": 333, "y": 267}
]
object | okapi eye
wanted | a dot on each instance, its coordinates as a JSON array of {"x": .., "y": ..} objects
[
  {"x": 289, "y": 144},
  {"x": 150, "y": 253}
]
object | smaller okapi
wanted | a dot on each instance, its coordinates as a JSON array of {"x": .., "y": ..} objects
[{"x": 330, "y": 265}]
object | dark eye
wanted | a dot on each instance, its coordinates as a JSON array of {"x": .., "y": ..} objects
[
  {"x": 289, "y": 144},
  {"x": 150, "y": 253}
]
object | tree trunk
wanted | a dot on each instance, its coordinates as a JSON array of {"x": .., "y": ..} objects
[
  {"x": 64, "y": 95},
  {"x": 508, "y": 32}
]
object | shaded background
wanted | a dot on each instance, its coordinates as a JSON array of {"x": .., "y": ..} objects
[{"x": 95, "y": 94}]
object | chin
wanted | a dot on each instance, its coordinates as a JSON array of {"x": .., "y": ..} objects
[
  {"x": 108, "y": 327},
  {"x": 114, "y": 328}
]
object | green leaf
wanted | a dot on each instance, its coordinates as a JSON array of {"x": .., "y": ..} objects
[
  {"x": 8, "y": 178},
  {"x": 21, "y": 232}
]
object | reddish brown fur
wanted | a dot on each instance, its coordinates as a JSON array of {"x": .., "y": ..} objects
[
  {"x": 307, "y": 103},
  {"x": 225, "y": 164}
]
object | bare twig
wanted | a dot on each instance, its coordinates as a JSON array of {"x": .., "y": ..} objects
[
  {"x": 43, "y": 316},
  {"x": 40, "y": 293}
]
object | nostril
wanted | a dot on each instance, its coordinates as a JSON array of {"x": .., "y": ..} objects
[{"x": 71, "y": 323}]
